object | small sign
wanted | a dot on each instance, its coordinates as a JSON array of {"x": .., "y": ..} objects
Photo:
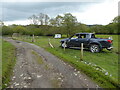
[{"x": 57, "y": 36}]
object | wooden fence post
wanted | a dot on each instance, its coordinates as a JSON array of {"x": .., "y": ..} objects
[
  {"x": 64, "y": 45},
  {"x": 81, "y": 58},
  {"x": 50, "y": 44},
  {"x": 33, "y": 38}
]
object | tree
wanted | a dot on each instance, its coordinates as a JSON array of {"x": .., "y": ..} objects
[
  {"x": 69, "y": 22},
  {"x": 82, "y": 28},
  {"x": 59, "y": 20},
  {"x": 56, "y": 24},
  {"x": 33, "y": 19},
  {"x": 97, "y": 28},
  {"x": 1, "y": 25},
  {"x": 112, "y": 28},
  {"x": 52, "y": 22},
  {"x": 43, "y": 19},
  {"x": 116, "y": 24},
  {"x": 116, "y": 19},
  {"x": 46, "y": 19},
  {"x": 6, "y": 30},
  {"x": 19, "y": 29},
  {"x": 40, "y": 18}
]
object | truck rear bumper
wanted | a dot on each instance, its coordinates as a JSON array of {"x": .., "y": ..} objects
[{"x": 110, "y": 48}]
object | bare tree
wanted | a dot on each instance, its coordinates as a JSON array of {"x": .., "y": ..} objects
[
  {"x": 40, "y": 18},
  {"x": 59, "y": 20},
  {"x": 52, "y": 22},
  {"x": 34, "y": 19},
  {"x": 43, "y": 19},
  {"x": 46, "y": 19}
]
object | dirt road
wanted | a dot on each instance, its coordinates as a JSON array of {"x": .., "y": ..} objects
[{"x": 37, "y": 68}]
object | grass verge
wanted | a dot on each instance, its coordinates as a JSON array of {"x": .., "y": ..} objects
[
  {"x": 38, "y": 58},
  {"x": 8, "y": 62}
]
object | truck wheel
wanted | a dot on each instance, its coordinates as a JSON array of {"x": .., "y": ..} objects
[{"x": 94, "y": 48}]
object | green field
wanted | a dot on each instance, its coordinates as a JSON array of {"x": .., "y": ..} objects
[
  {"x": 106, "y": 60},
  {"x": 8, "y": 62}
]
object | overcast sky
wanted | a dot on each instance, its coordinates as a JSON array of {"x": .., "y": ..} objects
[{"x": 86, "y": 11}]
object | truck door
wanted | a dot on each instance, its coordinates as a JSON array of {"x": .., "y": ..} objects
[
  {"x": 83, "y": 39},
  {"x": 73, "y": 41},
  {"x": 76, "y": 41}
]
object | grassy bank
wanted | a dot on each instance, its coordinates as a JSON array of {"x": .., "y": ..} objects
[
  {"x": 8, "y": 62},
  {"x": 106, "y": 60}
]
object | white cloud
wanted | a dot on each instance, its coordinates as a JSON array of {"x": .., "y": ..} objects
[
  {"x": 101, "y": 13},
  {"x": 17, "y": 22}
]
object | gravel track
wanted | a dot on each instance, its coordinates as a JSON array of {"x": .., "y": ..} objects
[{"x": 51, "y": 73}]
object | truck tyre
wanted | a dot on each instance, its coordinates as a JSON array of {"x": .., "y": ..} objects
[{"x": 94, "y": 48}]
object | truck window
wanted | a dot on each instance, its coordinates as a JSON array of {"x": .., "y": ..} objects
[
  {"x": 92, "y": 36},
  {"x": 82, "y": 36},
  {"x": 74, "y": 37},
  {"x": 87, "y": 36}
]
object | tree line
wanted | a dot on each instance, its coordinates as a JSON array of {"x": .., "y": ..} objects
[{"x": 67, "y": 24}]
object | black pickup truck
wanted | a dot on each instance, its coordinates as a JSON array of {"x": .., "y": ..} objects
[{"x": 89, "y": 41}]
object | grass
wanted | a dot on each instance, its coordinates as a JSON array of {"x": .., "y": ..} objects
[
  {"x": 8, "y": 62},
  {"x": 107, "y": 60},
  {"x": 38, "y": 58}
]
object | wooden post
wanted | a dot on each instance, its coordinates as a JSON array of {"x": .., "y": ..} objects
[
  {"x": 111, "y": 38},
  {"x": 50, "y": 44},
  {"x": 33, "y": 38},
  {"x": 81, "y": 58},
  {"x": 64, "y": 45}
]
